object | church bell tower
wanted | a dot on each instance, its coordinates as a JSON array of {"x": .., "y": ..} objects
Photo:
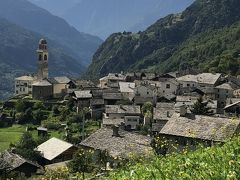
[{"x": 42, "y": 53}]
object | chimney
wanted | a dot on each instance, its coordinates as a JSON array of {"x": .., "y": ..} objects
[
  {"x": 183, "y": 110},
  {"x": 115, "y": 131}
]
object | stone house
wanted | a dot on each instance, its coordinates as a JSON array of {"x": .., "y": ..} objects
[
  {"x": 111, "y": 98},
  {"x": 61, "y": 85},
  {"x": 189, "y": 130},
  {"x": 82, "y": 98},
  {"x": 130, "y": 113},
  {"x": 111, "y": 81},
  {"x": 161, "y": 114},
  {"x": 42, "y": 90},
  {"x": 55, "y": 150},
  {"x": 96, "y": 108},
  {"x": 127, "y": 90},
  {"x": 18, "y": 164},
  {"x": 200, "y": 80},
  {"x": 120, "y": 144},
  {"x": 23, "y": 85},
  {"x": 145, "y": 93},
  {"x": 223, "y": 92},
  {"x": 166, "y": 84}
]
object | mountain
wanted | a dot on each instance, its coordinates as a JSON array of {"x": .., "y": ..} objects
[
  {"x": 204, "y": 36},
  {"x": 56, "y": 7},
  {"x": 18, "y": 56},
  {"x": 104, "y": 17},
  {"x": 23, "y": 13}
]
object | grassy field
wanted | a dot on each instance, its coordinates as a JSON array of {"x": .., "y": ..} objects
[{"x": 12, "y": 135}]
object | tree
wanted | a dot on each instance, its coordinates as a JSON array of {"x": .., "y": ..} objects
[
  {"x": 20, "y": 105},
  {"x": 103, "y": 158},
  {"x": 38, "y": 106},
  {"x": 201, "y": 108},
  {"x": 26, "y": 146},
  {"x": 147, "y": 107},
  {"x": 81, "y": 162},
  {"x": 38, "y": 116},
  {"x": 55, "y": 110}
]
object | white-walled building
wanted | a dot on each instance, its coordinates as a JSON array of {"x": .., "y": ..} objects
[{"x": 23, "y": 85}]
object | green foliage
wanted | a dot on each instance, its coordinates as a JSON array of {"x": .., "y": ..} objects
[
  {"x": 205, "y": 36},
  {"x": 52, "y": 123},
  {"x": 20, "y": 105},
  {"x": 82, "y": 162},
  {"x": 147, "y": 107},
  {"x": 103, "y": 158},
  {"x": 38, "y": 106},
  {"x": 201, "y": 108},
  {"x": 26, "y": 147},
  {"x": 55, "y": 110},
  {"x": 38, "y": 116},
  {"x": 206, "y": 163}
]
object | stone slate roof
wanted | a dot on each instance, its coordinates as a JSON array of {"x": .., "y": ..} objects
[
  {"x": 163, "y": 111},
  {"x": 231, "y": 105},
  {"x": 128, "y": 143},
  {"x": 227, "y": 86},
  {"x": 201, "y": 127},
  {"x": 14, "y": 160},
  {"x": 126, "y": 87},
  {"x": 232, "y": 100},
  {"x": 142, "y": 100},
  {"x": 110, "y": 121},
  {"x": 42, "y": 83},
  {"x": 112, "y": 96},
  {"x": 83, "y": 94},
  {"x": 59, "y": 80},
  {"x": 122, "y": 109},
  {"x": 113, "y": 76},
  {"x": 97, "y": 101},
  {"x": 25, "y": 78},
  {"x": 206, "y": 78},
  {"x": 186, "y": 99},
  {"x": 53, "y": 148},
  {"x": 85, "y": 84}
]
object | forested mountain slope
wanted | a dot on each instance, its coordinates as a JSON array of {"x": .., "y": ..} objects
[{"x": 204, "y": 36}]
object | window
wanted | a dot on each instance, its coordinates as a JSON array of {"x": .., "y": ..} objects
[
  {"x": 23, "y": 89},
  {"x": 40, "y": 57},
  {"x": 188, "y": 85},
  {"x": 17, "y": 92},
  {"x": 147, "y": 92},
  {"x": 25, "y": 84},
  {"x": 168, "y": 86},
  {"x": 45, "y": 57}
]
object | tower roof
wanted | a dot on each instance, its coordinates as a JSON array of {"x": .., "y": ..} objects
[{"x": 42, "y": 41}]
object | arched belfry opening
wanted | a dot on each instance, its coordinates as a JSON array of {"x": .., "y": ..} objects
[
  {"x": 39, "y": 57},
  {"x": 45, "y": 57}
]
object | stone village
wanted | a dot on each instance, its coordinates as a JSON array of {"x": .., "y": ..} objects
[{"x": 117, "y": 100}]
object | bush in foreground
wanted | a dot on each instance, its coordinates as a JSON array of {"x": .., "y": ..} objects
[{"x": 209, "y": 163}]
